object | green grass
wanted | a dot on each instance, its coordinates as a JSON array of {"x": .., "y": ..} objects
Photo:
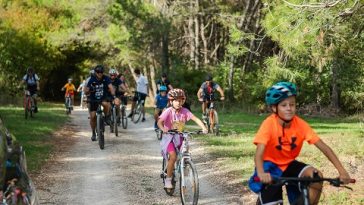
[
  {"x": 344, "y": 135},
  {"x": 34, "y": 134}
]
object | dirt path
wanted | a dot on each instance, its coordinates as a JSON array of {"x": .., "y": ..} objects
[{"x": 125, "y": 172}]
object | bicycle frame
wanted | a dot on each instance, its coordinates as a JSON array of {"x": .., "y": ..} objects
[
  {"x": 100, "y": 127},
  {"x": 28, "y": 103},
  {"x": 212, "y": 121}
]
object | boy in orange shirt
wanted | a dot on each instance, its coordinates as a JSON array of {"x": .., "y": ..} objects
[
  {"x": 70, "y": 89},
  {"x": 279, "y": 141}
]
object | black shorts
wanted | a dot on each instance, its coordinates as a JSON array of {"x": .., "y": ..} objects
[
  {"x": 272, "y": 194},
  {"x": 95, "y": 104},
  {"x": 139, "y": 96}
]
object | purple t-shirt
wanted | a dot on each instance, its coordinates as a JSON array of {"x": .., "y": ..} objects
[{"x": 173, "y": 120}]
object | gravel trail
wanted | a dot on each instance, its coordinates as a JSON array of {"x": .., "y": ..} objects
[{"x": 125, "y": 172}]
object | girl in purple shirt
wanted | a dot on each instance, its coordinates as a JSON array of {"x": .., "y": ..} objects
[{"x": 174, "y": 117}]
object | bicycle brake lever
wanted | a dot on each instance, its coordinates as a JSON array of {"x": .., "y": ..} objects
[{"x": 347, "y": 187}]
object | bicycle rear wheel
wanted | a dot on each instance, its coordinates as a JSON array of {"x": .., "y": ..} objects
[
  {"x": 124, "y": 119},
  {"x": 137, "y": 113},
  {"x": 100, "y": 131},
  {"x": 189, "y": 185},
  {"x": 159, "y": 134}
]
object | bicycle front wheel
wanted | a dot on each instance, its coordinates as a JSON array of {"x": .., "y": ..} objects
[
  {"x": 124, "y": 119},
  {"x": 114, "y": 121},
  {"x": 100, "y": 131},
  {"x": 189, "y": 185},
  {"x": 137, "y": 113},
  {"x": 215, "y": 126}
]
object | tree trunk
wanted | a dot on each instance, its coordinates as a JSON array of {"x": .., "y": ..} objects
[
  {"x": 335, "y": 92},
  {"x": 197, "y": 39},
  {"x": 231, "y": 80},
  {"x": 152, "y": 86},
  {"x": 165, "y": 52},
  {"x": 205, "y": 46}
]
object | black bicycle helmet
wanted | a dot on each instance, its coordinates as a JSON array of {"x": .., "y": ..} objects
[{"x": 99, "y": 69}]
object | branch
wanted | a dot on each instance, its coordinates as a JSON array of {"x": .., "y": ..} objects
[{"x": 314, "y": 5}]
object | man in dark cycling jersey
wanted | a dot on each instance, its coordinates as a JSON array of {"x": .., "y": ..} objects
[
  {"x": 98, "y": 87},
  {"x": 164, "y": 81},
  {"x": 119, "y": 88},
  {"x": 206, "y": 93}
]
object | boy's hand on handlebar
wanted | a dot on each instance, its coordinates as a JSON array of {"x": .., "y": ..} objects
[
  {"x": 205, "y": 131},
  {"x": 222, "y": 98},
  {"x": 345, "y": 178},
  {"x": 265, "y": 178},
  {"x": 200, "y": 99}
]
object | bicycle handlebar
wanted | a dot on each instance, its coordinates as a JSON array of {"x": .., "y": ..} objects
[
  {"x": 283, "y": 180},
  {"x": 174, "y": 131}
]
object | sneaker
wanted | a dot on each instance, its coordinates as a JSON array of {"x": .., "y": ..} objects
[
  {"x": 168, "y": 183},
  {"x": 143, "y": 119},
  {"x": 93, "y": 137}
]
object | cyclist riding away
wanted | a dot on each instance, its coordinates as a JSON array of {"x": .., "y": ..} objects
[
  {"x": 70, "y": 89},
  {"x": 118, "y": 87},
  {"x": 164, "y": 82},
  {"x": 161, "y": 102},
  {"x": 141, "y": 91},
  {"x": 206, "y": 94},
  {"x": 98, "y": 87},
  {"x": 174, "y": 117},
  {"x": 279, "y": 141},
  {"x": 31, "y": 80}
]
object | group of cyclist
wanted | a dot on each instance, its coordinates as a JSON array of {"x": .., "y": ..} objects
[{"x": 279, "y": 139}]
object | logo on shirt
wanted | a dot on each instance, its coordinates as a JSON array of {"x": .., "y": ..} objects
[{"x": 286, "y": 141}]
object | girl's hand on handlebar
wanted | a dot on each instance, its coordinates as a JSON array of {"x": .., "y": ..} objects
[
  {"x": 205, "y": 131},
  {"x": 165, "y": 130},
  {"x": 200, "y": 99}
]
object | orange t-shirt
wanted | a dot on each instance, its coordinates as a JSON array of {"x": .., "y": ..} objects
[
  {"x": 283, "y": 150},
  {"x": 70, "y": 88}
]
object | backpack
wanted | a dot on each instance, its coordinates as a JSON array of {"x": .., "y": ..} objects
[{"x": 26, "y": 80}]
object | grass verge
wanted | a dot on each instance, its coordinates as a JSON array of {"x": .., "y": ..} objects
[{"x": 34, "y": 134}]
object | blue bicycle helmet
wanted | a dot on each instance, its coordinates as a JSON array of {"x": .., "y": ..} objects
[
  {"x": 279, "y": 92},
  {"x": 162, "y": 88}
]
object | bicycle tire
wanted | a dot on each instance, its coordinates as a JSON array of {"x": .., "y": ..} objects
[
  {"x": 124, "y": 119},
  {"x": 26, "y": 107},
  {"x": 31, "y": 108},
  {"x": 137, "y": 113},
  {"x": 159, "y": 134},
  {"x": 114, "y": 121},
  {"x": 100, "y": 132},
  {"x": 216, "y": 127},
  {"x": 189, "y": 177}
]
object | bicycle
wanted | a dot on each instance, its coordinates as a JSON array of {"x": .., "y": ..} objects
[
  {"x": 100, "y": 126},
  {"x": 123, "y": 117},
  {"x": 188, "y": 178},
  {"x": 114, "y": 119},
  {"x": 138, "y": 110},
  {"x": 14, "y": 195},
  {"x": 303, "y": 184},
  {"x": 212, "y": 120},
  {"x": 28, "y": 104},
  {"x": 68, "y": 104}
]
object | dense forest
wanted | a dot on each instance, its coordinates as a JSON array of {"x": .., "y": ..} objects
[{"x": 247, "y": 45}]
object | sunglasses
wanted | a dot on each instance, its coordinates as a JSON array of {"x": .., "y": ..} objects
[{"x": 98, "y": 71}]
